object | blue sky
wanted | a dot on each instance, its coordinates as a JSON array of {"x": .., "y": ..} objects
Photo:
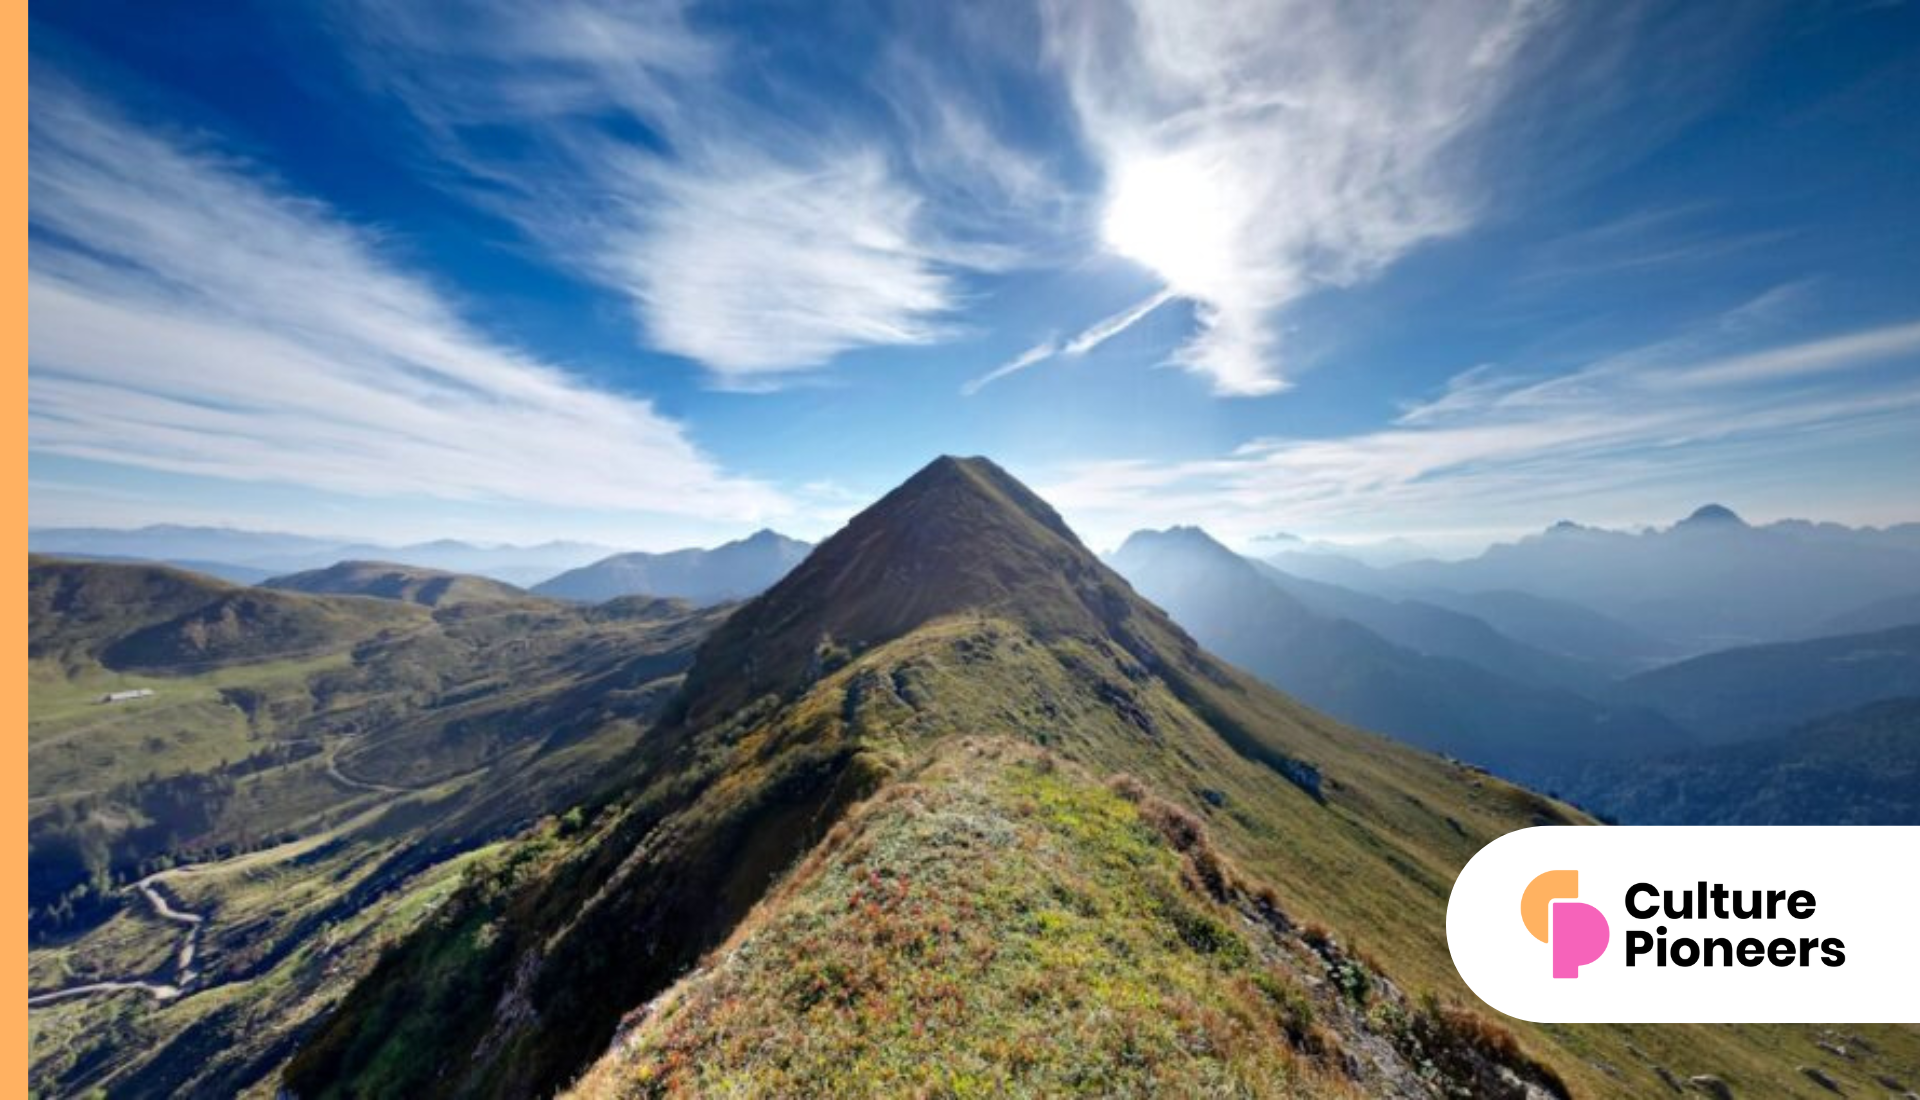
[{"x": 659, "y": 274}]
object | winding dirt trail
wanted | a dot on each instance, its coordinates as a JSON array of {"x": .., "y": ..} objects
[
  {"x": 184, "y": 974},
  {"x": 158, "y": 991},
  {"x": 345, "y": 780},
  {"x": 186, "y": 978}
]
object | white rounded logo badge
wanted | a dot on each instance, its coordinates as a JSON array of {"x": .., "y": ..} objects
[{"x": 1672, "y": 924}]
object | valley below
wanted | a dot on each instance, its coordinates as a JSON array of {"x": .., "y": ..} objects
[{"x": 215, "y": 863}]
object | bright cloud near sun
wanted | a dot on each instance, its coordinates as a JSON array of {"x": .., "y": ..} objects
[
  {"x": 1257, "y": 151},
  {"x": 1171, "y": 214}
]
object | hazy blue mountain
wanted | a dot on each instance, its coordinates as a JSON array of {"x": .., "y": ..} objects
[
  {"x": 1428, "y": 628},
  {"x": 172, "y": 542},
  {"x": 1333, "y": 568},
  {"x": 1709, "y": 582},
  {"x": 1235, "y": 609},
  {"x": 1755, "y": 691},
  {"x": 731, "y": 571},
  {"x": 1878, "y": 615},
  {"x": 1859, "y": 767},
  {"x": 1559, "y": 626}
]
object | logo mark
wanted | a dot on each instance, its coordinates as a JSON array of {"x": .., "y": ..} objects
[{"x": 1577, "y": 931}]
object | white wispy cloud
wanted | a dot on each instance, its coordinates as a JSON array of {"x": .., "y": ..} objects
[
  {"x": 1090, "y": 338},
  {"x": 1258, "y": 150},
  {"x": 748, "y": 239},
  {"x": 190, "y": 315},
  {"x": 755, "y": 268},
  {"x": 1517, "y": 450}
]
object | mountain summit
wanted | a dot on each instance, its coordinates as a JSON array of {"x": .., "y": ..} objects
[
  {"x": 960, "y": 536},
  {"x": 1713, "y": 515}
]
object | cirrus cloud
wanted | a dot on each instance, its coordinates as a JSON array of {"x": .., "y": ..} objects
[
  {"x": 188, "y": 314},
  {"x": 753, "y": 243}
]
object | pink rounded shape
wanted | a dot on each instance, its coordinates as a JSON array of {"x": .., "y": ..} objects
[{"x": 1580, "y": 934}]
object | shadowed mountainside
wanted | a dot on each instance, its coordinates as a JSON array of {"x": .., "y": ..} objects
[
  {"x": 1859, "y": 767},
  {"x": 1757, "y": 691},
  {"x": 1237, "y": 609},
  {"x": 1439, "y": 631}
]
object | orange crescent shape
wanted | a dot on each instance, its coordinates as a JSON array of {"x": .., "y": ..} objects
[{"x": 1545, "y": 887}]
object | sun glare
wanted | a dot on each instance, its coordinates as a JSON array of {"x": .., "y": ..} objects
[{"x": 1169, "y": 214}]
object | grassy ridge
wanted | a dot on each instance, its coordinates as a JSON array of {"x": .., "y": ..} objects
[
  {"x": 652, "y": 868},
  {"x": 996, "y": 923}
]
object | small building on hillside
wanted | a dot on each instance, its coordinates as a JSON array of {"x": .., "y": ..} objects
[{"x": 123, "y": 696}]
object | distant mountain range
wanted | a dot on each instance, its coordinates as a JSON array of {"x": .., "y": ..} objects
[
  {"x": 1439, "y": 679},
  {"x": 731, "y": 571},
  {"x": 1430, "y": 627},
  {"x": 247, "y": 557},
  {"x": 579, "y": 571},
  {"x": 1558, "y": 626},
  {"x": 1454, "y": 682},
  {"x": 1709, "y": 582},
  {"x": 166, "y": 541}
]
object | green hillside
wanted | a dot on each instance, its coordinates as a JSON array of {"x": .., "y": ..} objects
[
  {"x": 309, "y": 807},
  {"x": 941, "y": 696},
  {"x": 389, "y": 581},
  {"x": 154, "y": 618}
]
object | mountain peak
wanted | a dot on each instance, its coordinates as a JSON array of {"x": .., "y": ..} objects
[
  {"x": 1711, "y": 515},
  {"x": 982, "y": 479},
  {"x": 767, "y": 537},
  {"x": 1178, "y": 537},
  {"x": 960, "y": 536}
]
